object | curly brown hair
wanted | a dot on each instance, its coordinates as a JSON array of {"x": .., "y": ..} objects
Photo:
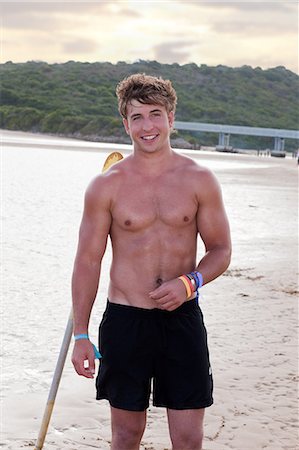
[{"x": 146, "y": 89}]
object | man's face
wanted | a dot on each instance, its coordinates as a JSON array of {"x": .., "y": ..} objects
[{"x": 148, "y": 126}]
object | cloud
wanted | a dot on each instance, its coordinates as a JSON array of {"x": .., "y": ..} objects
[
  {"x": 42, "y": 16},
  {"x": 171, "y": 52},
  {"x": 49, "y": 15},
  {"x": 251, "y": 17},
  {"x": 243, "y": 5},
  {"x": 231, "y": 33},
  {"x": 262, "y": 25},
  {"x": 78, "y": 46}
]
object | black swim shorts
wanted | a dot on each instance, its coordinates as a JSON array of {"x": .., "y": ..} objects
[{"x": 144, "y": 346}]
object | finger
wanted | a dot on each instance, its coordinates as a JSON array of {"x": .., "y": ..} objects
[
  {"x": 88, "y": 373},
  {"x": 166, "y": 307},
  {"x": 154, "y": 295},
  {"x": 84, "y": 364},
  {"x": 91, "y": 365},
  {"x": 84, "y": 370},
  {"x": 81, "y": 369},
  {"x": 158, "y": 293},
  {"x": 163, "y": 302},
  {"x": 169, "y": 306}
]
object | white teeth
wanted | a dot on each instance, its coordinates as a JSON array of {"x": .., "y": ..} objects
[{"x": 148, "y": 138}]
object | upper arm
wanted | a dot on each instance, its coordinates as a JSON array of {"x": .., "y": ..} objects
[
  {"x": 212, "y": 221},
  {"x": 96, "y": 222}
]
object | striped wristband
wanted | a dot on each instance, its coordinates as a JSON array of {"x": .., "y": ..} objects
[{"x": 188, "y": 285}]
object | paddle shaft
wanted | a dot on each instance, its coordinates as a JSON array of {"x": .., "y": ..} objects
[{"x": 55, "y": 383}]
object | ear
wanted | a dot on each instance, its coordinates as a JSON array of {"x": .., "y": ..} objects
[
  {"x": 171, "y": 119},
  {"x": 126, "y": 125}
]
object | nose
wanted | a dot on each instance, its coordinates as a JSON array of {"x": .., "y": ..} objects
[{"x": 147, "y": 124}]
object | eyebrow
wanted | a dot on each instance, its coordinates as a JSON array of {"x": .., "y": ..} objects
[
  {"x": 135, "y": 115},
  {"x": 151, "y": 111}
]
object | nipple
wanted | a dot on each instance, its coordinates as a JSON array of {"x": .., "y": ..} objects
[{"x": 128, "y": 223}]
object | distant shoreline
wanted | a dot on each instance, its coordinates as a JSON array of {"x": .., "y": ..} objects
[{"x": 13, "y": 138}]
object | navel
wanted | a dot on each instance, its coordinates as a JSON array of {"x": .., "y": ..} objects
[{"x": 159, "y": 281}]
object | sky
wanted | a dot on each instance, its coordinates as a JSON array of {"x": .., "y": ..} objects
[{"x": 258, "y": 34}]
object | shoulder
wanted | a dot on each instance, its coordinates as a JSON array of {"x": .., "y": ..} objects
[
  {"x": 103, "y": 187},
  {"x": 201, "y": 180},
  {"x": 194, "y": 169}
]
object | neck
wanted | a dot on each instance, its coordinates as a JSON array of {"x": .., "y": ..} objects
[{"x": 153, "y": 163}]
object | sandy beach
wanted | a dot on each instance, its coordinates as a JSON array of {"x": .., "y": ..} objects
[{"x": 251, "y": 315}]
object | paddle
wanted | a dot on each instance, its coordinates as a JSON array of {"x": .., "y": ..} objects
[{"x": 110, "y": 160}]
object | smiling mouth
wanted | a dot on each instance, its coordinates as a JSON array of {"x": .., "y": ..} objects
[{"x": 149, "y": 138}]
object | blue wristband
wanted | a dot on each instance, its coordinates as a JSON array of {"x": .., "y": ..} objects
[
  {"x": 97, "y": 354},
  {"x": 77, "y": 337},
  {"x": 198, "y": 279}
]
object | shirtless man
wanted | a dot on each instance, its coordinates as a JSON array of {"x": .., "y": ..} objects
[{"x": 153, "y": 204}]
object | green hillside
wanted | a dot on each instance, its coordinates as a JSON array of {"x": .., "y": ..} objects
[{"x": 78, "y": 99}]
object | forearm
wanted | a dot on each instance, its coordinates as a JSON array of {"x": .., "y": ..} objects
[
  {"x": 214, "y": 263},
  {"x": 85, "y": 282}
]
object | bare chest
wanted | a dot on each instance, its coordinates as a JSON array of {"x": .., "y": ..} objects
[{"x": 141, "y": 205}]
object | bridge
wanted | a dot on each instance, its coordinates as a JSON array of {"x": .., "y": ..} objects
[{"x": 224, "y": 132}]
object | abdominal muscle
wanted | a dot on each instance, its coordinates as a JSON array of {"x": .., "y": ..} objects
[{"x": 144, "y": 260}]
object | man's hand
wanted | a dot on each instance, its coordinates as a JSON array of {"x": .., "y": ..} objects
[
  {"x": 170, "y": 295},
  {"x": 83, "y": 358}
]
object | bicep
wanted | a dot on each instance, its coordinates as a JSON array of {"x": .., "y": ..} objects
[
  {"x": 94, "y": 228},
  {"x": 212, "y": 221}
]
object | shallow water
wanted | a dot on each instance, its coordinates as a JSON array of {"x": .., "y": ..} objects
[{"x": 43, "y": 198}]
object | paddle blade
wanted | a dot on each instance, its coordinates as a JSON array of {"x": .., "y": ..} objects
[{"x": 111, "y": 159}]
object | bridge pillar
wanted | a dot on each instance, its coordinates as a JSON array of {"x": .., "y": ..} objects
[
  {"x": 223, "y": 139},
  {"x": 279, "y": 144}
]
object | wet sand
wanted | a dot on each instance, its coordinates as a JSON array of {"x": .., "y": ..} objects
[{"x": 251, "y": 315}]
